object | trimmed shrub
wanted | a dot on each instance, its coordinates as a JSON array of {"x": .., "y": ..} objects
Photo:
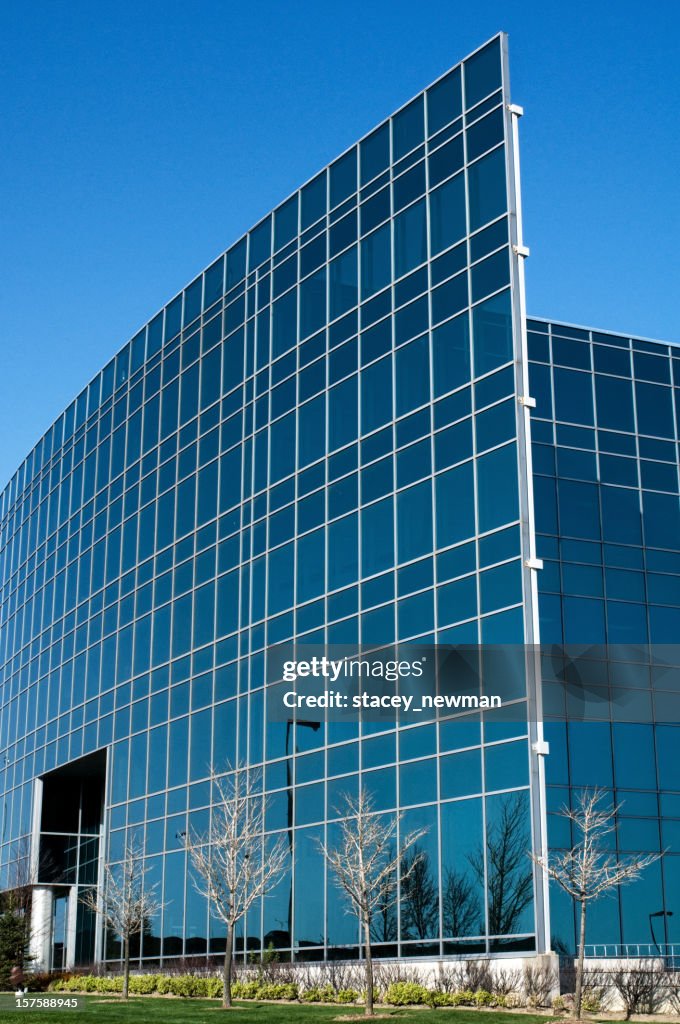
[
  {"x": 143, "y": 984},
  {"x": 109, "y": 984},
  {"x": 312, "y": 995},
  {"x": 406, "y": 993},
  {"x": 186, "y": 985},
  {"x": 77, "y": 983},
  {"x": 483, "y": 998},
  {"x": 591, "y": 1002},
  {"x": 346, "y": 995},
  {"x": 245, "y": 989},
  {"x": 438, "y": 998},
  {"x": 214, "y": 988},
  {"x": 464, "y": 998},
  {"x": 281, "y": 990}
]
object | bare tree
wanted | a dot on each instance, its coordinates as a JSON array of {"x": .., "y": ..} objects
[
  {"x": 231, "y": 867},
  {"x": 366, "y": 862},
  {"x": 589, "y": 869},
  {"x": 124, "y": 901}
]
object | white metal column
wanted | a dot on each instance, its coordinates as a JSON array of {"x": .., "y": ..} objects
[{"x": 42, "y": 912}]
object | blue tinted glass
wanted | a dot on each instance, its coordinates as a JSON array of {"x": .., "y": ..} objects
[
  {"x": 447, "y": 214},
  {"x": 661, "y": 519},
  {"x": 376, "y": 261},
  {"x": 312, "y": 303},
  {"x": 173, "y": 320},
  {"x": 343, "y": 283},
  {"x": 461, "y": 774},
  {"x": 497, "y": 493},
  {"x": 457, "y": 601},
  {"x": 260, "y": 244},
  {"x": 484, "y": 134},
  {"x": 654, "y": 409},
  {"x": 377, "y": 537},
  {"x": 444, "y": 102},
  {"x": 214, "y": 282},
  {"x": 506, "y": 765},
  {"x": 492, "y": 333},
  {"x": 455, "y": 505},
  {"x": 446, "y": 160},
  {"x": 418, "y": 782},
  {"x": 486, "y": 182},
  {"x": 451, "y": 354},
  {"x": 375, "y": 153},
  {"x": 490, "y": 275},
  {"x": 410, "y": 239},
  {"x": 407, "y": 128},
  {"x": 510, "y": 889},
  {"x": 573, "y": 396},
  {"x": 236, "y": 263},
  {"x": 284, "y": 323},
  {"x": 482, "y": 73},
  {"x": 412, "y": 364},
  {"x": 414, "y": 519},
  {"x": 313, "y": 201},
  {"x": 462, "y": 884},
  {"x": 343, "y": 177},
  {"x": 501, "y": 587},
  {"x": 192, "y": 300},
  {"x": 286, "y": 222}
]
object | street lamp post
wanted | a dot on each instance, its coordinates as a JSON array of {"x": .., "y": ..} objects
[{"x": 658, "y": 913}]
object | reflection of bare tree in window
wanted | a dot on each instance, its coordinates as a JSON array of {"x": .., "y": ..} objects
[
  {"x": 419, "y": 896},
  {"x": 510, "y": 878},
  {"x": 384, "y": 926},
  {"x": 460, "y": 905}
]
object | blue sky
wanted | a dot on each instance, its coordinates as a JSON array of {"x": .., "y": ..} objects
[{"x": 141, "y": 139}]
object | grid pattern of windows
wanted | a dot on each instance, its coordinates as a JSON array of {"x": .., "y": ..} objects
[
  {"x": 605, "y": 459},
  {"x": 317, "y": 439}
]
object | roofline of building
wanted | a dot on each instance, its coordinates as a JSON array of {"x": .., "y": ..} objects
[{"x": 600, "y": 330}]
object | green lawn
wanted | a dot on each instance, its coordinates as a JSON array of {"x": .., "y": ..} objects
[{"x": 109, "y": 1010}]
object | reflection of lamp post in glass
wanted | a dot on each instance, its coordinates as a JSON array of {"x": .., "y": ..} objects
[
  {"x": 658, "y": 913},
  {"x": 289, "y": 794}
]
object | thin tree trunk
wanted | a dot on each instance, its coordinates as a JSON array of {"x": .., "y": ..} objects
[
  {"x": 126, "y": 967},
  {"x": 578, "y": 994},
  {"x": 369, "y": 969},
  {"x": 226, "y": 973}
]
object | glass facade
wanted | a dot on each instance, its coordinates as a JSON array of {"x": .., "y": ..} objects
[
  {"x": 605, "y": 456},
  {"x": 324, "y": 438}
]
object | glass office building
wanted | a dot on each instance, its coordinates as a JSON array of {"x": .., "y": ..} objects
[{"x": 326, "y": 438}]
